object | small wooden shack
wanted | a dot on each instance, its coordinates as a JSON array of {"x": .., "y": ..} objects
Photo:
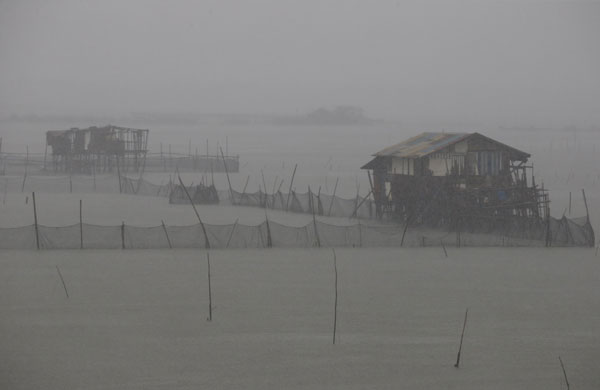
[
  {"x": 98, "y": 149},
  {"x": 456, "y": 178}
]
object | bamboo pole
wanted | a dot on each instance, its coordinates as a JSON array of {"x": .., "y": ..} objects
[
  {"x": 444, "y": 248},
  {"x": 35, "y": 220},
  {"x": 315, "y": 222},
  {"x": 209, "y": 288},
  {"x": 319, "y": 204},
  {"x": 335, "y": 305},
  {"x": 123, "y": 235},
  {"x": 360, "y": 244},
  {"x": 333, "y": 197},
  {"x": 360, "y": 204},
  {"x": 287, "y": 202},
  {"x": 45, "y": 154},
  {"x": 587, "y": 212},
  {"x": 62, "y": 280},
  {"x": 231, "y": 234},
  {"x": 404, "y": 231},
  {"x": 273, "y": 192},
  {"x": 373, "y": 192},
  {"x": 228, "y": 181},
  {"x": 5, "y": 191},
  {"x": 141, "y": 174},
  {"x": 462, "y": 335},
  {"x": 244, "y": 190},
  {"x": 564, "y": 372},
  {"x": 119, "y": 175},
  {"x": 162, "y": 160},
  {"x": 166, "y": 233},
  {"x": 206, "y": 242},
  {"x": 279, "y": 193},
  {"x": 265, "y": 187},
  {"x": 26, "y": 168},
  {"x": 269, "y": 239},
  {"x": 80, "y": 224}
]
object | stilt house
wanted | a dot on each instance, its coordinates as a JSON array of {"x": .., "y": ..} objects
[{"x": 451, "y": 178}]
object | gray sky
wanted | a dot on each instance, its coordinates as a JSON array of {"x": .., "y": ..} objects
[{"x": 502, "y": 63}]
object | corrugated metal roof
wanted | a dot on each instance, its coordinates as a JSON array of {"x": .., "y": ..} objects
[{"x": 422, "y": 145}]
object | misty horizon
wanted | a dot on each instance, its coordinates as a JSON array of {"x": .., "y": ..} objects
[{"x": 531, "y": 63}]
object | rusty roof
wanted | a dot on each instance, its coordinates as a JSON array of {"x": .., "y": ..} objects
[
  {"x": 426, "y": 143},
  {"x": 422, "y": 145}
]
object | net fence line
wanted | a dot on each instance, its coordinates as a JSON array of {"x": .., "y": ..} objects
[
  {"x": 558, "y": 232},
  {"x": 272, "y": 234},
  {"x": 323, "y": 204}
]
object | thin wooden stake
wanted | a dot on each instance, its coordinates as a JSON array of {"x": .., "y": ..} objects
[
  {"x": 5, "y": 191},
  {"x": 587, "y": 212},
  {"x": 265, "y": 187},
  {"x": 354, "y": 213},
  {"x": 24, "y": 178},
  {"x": 564, "y": 372},
  {"x": 119, "y": 175},
  {"x": 336, "y": 294},
  {"x": 63, "y": 281},
  {"x": 80, "y": 224},
  {"x": 123, "y": 235},
  {"x": 206, "y": 242},
  {"x": 461, "y": 340},
  {"x": 244, "y": 190},
  {"x": 360, "y": 235},
  {"x": 314, "y": 220},
  {"x": 166, "y": 234},
  {"x": 35, "y": 220},
  {"x": 404, "y": 231},
  {"x": 274, "y": 185},
  {"x": 45, "y": 154},
  {"x": 333, "y": 196},
  {"x": 228, "y": 181},
  {"x": 269, "y": 239},
  {"x": 444, "y": 248},
  {"x": 209, "y": 288},
  {"x": 231, "y": 234},
  {"x": 70, "y": 183},
  {"x": 287, "y": 202}
]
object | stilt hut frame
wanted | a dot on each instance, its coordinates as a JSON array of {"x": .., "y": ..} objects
[
  {"x": 98, "y": 149},
  {"x": 461, "y": 180}
]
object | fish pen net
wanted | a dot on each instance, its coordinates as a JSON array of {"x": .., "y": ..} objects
[
  {"x": 562, "y": 232},
  {"x": 478, "y": 231}
]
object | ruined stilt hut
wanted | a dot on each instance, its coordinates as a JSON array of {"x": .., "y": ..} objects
[
  {"x": 98, "y": 149},
  {"x": 458, "y": 180}
]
